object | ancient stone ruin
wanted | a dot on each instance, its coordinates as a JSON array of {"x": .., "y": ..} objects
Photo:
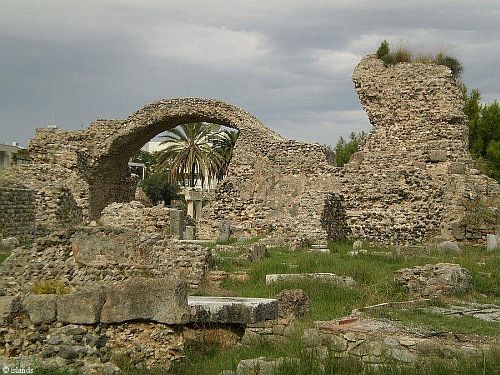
[
  {"x": 408, "y": 182},
  {"x": 113, "y": 273}
]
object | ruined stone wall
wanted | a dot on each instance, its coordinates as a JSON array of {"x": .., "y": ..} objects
[
  {"x": 410, "y": 178},
  {"x": 275, "y": 187},
  {"x": 101, "y": 255},
  {"x": 276, "y": 190},
  {"x": 59, "y": 196},
  {"x": 134, "y": 215},
  {"x": 17, "y": 211}
]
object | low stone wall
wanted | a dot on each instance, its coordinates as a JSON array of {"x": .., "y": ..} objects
[
  {"x": 98, "y": 256},
  {"x": 135, "y": 215},
  {"x": 158, "y": 300},
  {"x": 17, "y": 211}
]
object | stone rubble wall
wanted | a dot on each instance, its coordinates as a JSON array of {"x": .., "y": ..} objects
[
  {"x": 60, "y": 196},
  {"x": 275, "y": 190},
  {"x": 410, "y": 178},
  {"x": 91, "y": 348},
  {"x": 134, "y": 215},
  {"x": 407, "y": 184},
  {"x": 17, "y": 212},
  {"x": 101, "y": 256}
]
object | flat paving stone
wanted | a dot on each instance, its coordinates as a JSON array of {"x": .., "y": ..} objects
[
  {"x": 233, "y": 310},
  {"x": 320, "y": 276}
]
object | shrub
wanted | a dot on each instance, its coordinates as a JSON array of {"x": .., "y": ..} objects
[
  {"x": 403, "y": 54},
  {"x": 157, "y": 187},
  {"x": 383, "y": 50},
  {"x": 344, "y": 149},
  {"x": 50, "y": 287},
  {"x": 451, "y": 62}
]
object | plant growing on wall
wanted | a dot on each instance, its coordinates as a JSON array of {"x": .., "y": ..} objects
[{"x": 403, "y": 54}]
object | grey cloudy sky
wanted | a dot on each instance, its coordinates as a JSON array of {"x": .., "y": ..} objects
[{"x": 287, "y": 62}]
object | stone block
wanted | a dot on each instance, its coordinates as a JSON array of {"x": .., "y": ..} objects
[
  {"x": 437, "y": 156},
  {"x": 458, "y": 168},
  {"x": 449, "y": 247},
  {"x": 41, "y": 308},
  {"x": 82, "y": 307},
  {"x": 320, "y": 276},
  {"x": 225, "y": 230},
  {"x": 232, "y": 310},
  {"x": 491, "y": 242},
  {"x": 190, "y": 232},
  {"x": 433, "y": 280},
  {"x": 9, "y": 307},
  {"x": 258, "y": 252},
  {"x": 160, "y": 300}
]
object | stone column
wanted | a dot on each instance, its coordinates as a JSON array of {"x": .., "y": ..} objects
[
  {"x": 194, "y": 200},
  {"x": 177, "y": 224}
]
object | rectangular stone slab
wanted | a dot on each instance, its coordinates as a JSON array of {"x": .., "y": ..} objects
[
  {"x": 232, "y": 310},
  {"x": 320, "y": 276}
]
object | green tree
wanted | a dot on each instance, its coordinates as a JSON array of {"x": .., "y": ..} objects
[
  {"x": 189, "y": 154},
  {"x": 345, "y": 148},
  {"x": 484, "y": 132},
  {"x": 223, "y": 143},
  {"x": 158, "y": 188}
]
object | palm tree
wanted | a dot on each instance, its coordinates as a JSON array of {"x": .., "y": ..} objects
[
  {"x": 189, "y": 154},
  {"x": 223, "y": 143}
]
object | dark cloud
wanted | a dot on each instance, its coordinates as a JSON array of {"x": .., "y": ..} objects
[{"x": 287, "y": 62}]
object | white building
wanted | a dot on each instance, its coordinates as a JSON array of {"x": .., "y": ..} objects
[{"x": 8, "y": 156}]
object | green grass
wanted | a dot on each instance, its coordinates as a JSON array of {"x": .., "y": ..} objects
[
  {"x": 3, "y": 257},
  {"x": 309, "y": 365},
  {"x": 374, "y": 275},
  {"x": 208, "y": 358}
]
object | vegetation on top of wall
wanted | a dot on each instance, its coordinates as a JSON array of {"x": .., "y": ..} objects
[{"x": 403, "y": 54}]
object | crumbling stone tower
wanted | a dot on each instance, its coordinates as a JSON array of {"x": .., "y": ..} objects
[{"x": 410, "y": 178}]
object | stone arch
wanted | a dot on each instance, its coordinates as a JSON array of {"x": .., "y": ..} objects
[
  {"x": 107, "y": 172},
  {"x": 274, "y": 187}
]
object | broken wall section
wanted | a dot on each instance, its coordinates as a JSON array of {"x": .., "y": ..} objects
[
  {"x": 54, "y": 201},
  {"x": 17, "y": 211},
  {"x": 411, "y": 177}
]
